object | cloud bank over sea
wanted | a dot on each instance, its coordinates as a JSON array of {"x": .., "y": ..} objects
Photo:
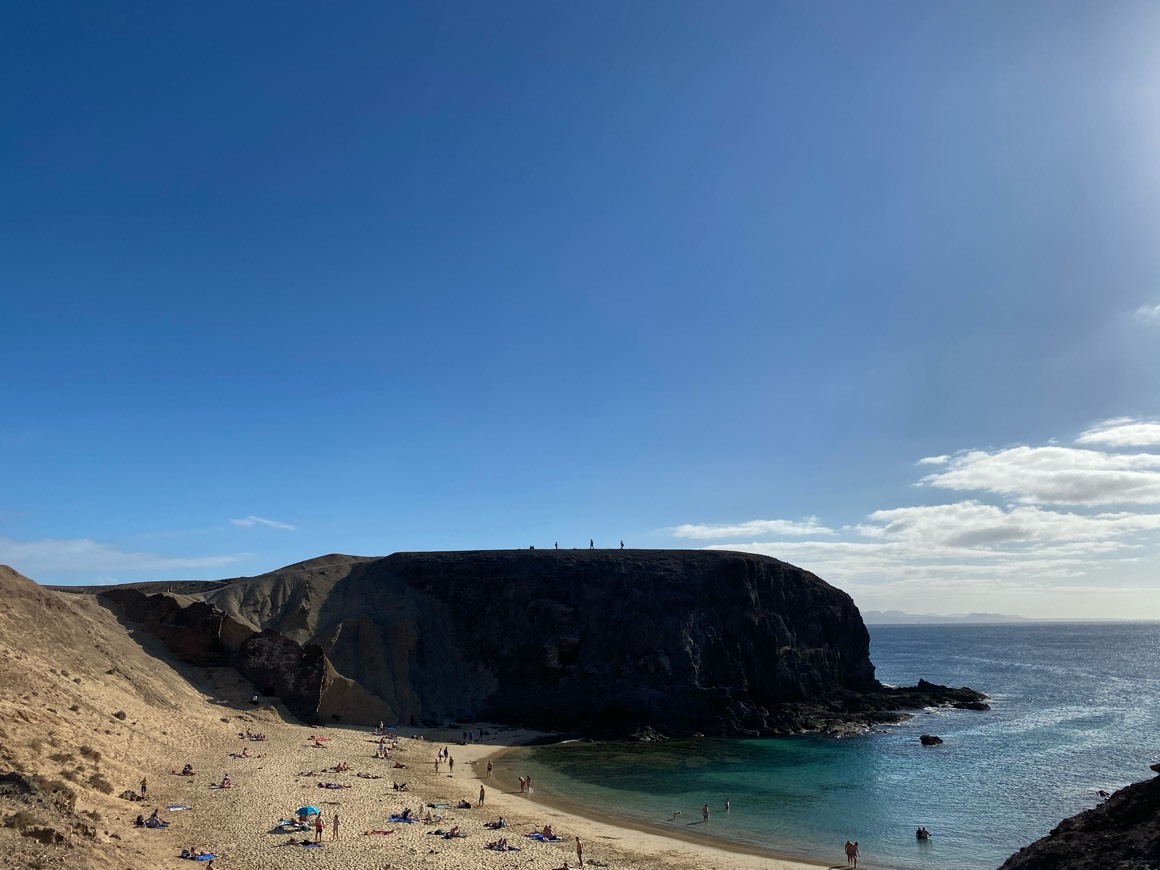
[{"x": 1046, "y": 529}]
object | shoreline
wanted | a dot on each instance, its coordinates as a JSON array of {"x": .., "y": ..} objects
[{"x": 574, "y": 810}]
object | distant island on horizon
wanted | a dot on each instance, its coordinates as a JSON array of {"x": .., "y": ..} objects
[{"x": 899, "y": 617}]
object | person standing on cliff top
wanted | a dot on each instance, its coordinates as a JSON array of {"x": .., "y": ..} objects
[
  {"x": 622, "y": 543},
  {"x": 591, "y": 545}
]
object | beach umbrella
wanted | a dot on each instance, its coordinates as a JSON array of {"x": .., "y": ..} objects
[{"x": 309, "y": 811}]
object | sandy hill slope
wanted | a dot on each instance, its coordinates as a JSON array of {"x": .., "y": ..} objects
[{"x": 89, "y": 707}]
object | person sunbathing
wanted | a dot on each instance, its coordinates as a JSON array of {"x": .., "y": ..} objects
[
  {"x": 187, "y": 770},
  {"x": 226, "y": 781},
  {"x": 495, "y": 826},
  {"x": 463, "y": 805},
  {"x": 369, "y": 833},
  {"x": 398, "y": 787},
  {"x": 154, "y": 821},
  {"x": 546, "y": 833},
  {"x": 399, "y": 764},
  {"x": 332, "y": 785}
]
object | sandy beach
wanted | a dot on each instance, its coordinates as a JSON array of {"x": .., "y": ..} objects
[{"x": 238, "y": 823}]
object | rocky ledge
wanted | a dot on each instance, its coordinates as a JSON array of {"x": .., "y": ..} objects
[
  {"x": 661, "y": 642},
  {"x": 1123, "y": 833}
]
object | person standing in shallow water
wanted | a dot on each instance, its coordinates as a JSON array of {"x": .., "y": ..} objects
[
  {"x": 852, "y": 854},
  {"x": 705, "y": 812}
]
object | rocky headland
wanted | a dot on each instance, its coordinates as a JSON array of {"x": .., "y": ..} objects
[
  {"x": 1122, "y": 833},
  {"x": 604, "y": 643}
]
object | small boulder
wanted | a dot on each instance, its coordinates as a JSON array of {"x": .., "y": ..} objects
[
  {"x": 120, "y": 714},
  {"x": 930, "y": 740}
]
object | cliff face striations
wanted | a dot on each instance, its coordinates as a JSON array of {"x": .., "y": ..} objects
[{"x": 596, "y": 641}]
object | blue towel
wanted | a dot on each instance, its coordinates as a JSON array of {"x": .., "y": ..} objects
[
  {"x": 397, "y": 818},
  {"x": 205, "y": 857}
]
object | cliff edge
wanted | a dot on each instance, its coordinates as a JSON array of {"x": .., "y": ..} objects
[{"x": 592, "y": 641}]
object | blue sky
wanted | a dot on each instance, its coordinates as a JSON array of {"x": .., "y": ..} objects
[{"x": 873, "y": 288}]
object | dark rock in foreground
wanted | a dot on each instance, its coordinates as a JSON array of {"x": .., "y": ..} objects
[
  {"x": 1122, "y": 833},
  {"x": 662, "y": 642}
]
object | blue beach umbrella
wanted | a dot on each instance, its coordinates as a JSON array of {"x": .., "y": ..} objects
[{"x": 309, "y": 811}]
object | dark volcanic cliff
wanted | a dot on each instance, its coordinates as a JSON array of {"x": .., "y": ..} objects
[
  {"x": 586, "y": 640},
  {"x": 1123, "y": 833}
]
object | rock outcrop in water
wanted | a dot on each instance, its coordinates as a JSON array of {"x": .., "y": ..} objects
[
  {"x": 600, "y": 642},
  {"x": 1123, "y": 833}
]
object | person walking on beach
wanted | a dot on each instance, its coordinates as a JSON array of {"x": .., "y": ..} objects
[
  {"x": 852, "y": 854},
  {"x": 705, "y": 812},
  {"x": 334, "y": 828},
  {"x": 489, "y": 770},
  {"x": 319, "y": 827},
  {"x": 450, "y": 766},
  {"x": 144, "y": 786},
  {"x": 726, "y": 804},
  {"x": 580, "y": 853},
  {"x": 482, "y": 795},
  {"x": 523, "y": 785}
]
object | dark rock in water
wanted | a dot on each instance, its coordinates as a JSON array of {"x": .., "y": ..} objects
[
  {"x": 1122, "y": 833},
  {"x": 659, "y": 643},
  {"x": 930, "y": 740}
]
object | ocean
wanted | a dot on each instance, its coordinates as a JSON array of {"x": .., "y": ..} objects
[{"x": 1075, "y": 709}]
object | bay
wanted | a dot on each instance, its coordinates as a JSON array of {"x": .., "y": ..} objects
[{"x": 1076, "y": 708}]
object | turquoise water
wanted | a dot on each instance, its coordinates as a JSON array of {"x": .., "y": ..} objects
[{"x": 1076, "y": 709}]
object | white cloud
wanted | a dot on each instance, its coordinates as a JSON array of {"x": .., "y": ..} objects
[
  {"x": 1040, "y": 532},
  {"x": 252, "y": 520},
  {"x": 1122, "y": 432},
  {"x": 54, "y": 558},
  {"x": 752, "y": 528},
  {"x": 973, "y": 524},
  {"x": 1148, "y": 314},
  {"x": 1055, "y": 475}
]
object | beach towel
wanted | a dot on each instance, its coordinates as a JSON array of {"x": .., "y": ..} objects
[
  {"x": 173, "y": 808},
  {"x": 536, "y": 835},
  {"x": 398, "y": 818},
  {"x": 209, "y": 857},
  {"x": 311, "y": 845}
]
